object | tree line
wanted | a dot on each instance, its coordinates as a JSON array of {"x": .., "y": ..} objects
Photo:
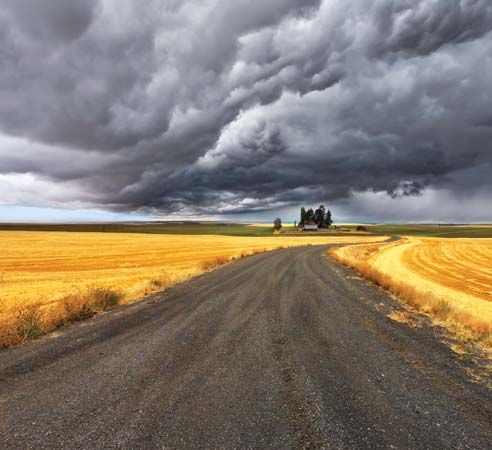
[{"x": 321, "y": 217}]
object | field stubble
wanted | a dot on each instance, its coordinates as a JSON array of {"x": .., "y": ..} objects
[
  {"x": 48, "y": 279},
  {"x": 449, "y": 279}
]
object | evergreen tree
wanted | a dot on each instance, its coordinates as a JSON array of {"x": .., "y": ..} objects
[
  {"x": 319, "y": 216},
  {"x": 310, "y": 215},
  {"x": 328, "y": 219},
  {"x": 277, "y": 224},
  {"x": 303, "y": 216}
]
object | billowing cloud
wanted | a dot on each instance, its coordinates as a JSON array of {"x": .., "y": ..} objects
[
  {"x": 51, "y": 21},
  {"x": 217, "y": 107}
]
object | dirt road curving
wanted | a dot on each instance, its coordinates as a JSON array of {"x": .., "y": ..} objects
[{"x": 281, "y": 350}]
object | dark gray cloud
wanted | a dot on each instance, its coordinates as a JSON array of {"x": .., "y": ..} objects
[
  {"x": 220, "y": 107},
  {"x": 51, "y": 20}
]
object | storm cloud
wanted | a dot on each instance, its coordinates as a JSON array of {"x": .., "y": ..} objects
[{"x": 210, "y": 107}]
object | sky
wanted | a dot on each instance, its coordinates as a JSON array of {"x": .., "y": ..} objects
[{"x": 246, "y": 110}]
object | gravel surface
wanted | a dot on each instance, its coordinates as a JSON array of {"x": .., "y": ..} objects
[{"x": 281, "y": 350}]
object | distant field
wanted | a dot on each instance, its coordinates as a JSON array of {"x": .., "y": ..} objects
[
  {"x": 185, "y": 228},
  {"x": 189, "y": 228},
  {"x": 445, "y": 231},
  {"x": 448, "y": 278},
  {"x": 48, "y": 278},
  {"x": 234, "y": 229}
]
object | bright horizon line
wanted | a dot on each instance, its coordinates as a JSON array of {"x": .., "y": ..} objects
[
  {"x": 38, "y": 215},
  {"x": 226, "y": 221}
]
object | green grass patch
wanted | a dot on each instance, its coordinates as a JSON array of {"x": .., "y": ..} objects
[
  {"x": 442, "y": 231},
  {"x": 235, "y": 229},
  {"x": 184, "y": 228}
]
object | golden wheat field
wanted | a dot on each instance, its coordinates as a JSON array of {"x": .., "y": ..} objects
[
  {"x": 448, "y": 278},
  {"x": 49, "y": 278},
  {"x": 454, "y": 268}
]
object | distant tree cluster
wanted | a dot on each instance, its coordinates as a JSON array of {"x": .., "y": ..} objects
[
  {"x": 321, "y": 217},
  {"x": 277, "y": 224}
]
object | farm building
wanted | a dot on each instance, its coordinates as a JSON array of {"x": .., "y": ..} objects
[{"x": 310, "y": 225}]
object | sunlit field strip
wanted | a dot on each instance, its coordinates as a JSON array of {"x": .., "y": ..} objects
[
  {"x": 49, "y": 269},
  {"x": 448, "y": 278},
  {"x": 460, "y": 269}
]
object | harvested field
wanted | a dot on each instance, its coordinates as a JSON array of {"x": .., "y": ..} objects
[
  {"x": 458, "y": 268},
  {"x": 50, "y": 278},
  {"x": 451, "y": 279}
]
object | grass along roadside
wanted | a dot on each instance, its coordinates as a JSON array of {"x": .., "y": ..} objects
[
  {"x": 23, "y": 322},
  {"x": 470, "y": 325}
]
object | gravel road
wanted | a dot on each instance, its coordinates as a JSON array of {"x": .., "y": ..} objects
[{"x": 281, "y": 350}]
